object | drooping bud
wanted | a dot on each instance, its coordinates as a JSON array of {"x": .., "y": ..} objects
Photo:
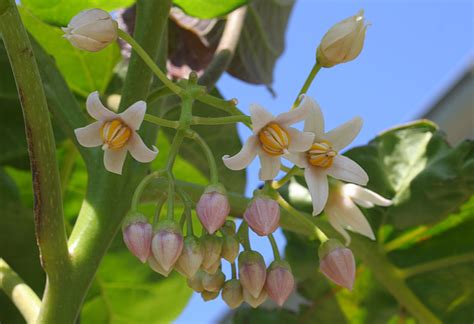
[
  {"x": 230, "y": 248},
  {"x": 213, "y": 268},
  {"x": 343, "y": 42},
  {"x": 209, "y": 295},
  {"x": 263, "y": 215},
  {"x": 195, "y": 282},
  {"x": 167, "y": 244},
  {"x": 212, "y": 250},
  {"x": 191, "y": 257},
  {"x": 255, "y": 301},
  {"x": 228, "y": 228},
  {"x": 280, "y": 282},
  {"x": 91, "y": 30},
  {"x": 137, "y": 233},
  {"x": 252, "y": 272},
  {"x": 213, "y": 282},
  {"x": 337, "y": 263},
  {"x": 232, "y": 293},
  {"x": 155, "y": 266},
  {"x": 213, "y": 208}
]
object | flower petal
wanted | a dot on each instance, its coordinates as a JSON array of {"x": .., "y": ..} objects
[
  {"x": 97, "y": 110},
  {"x": 298, "y": 159},
  {"x": 246, "y": 155},
  {"x": 114, "y": 160},
  {"x": 295, "y": 115},
  {"x": 89, "y": 136},
  {"x": 362, "y": 194},
  {"x": 340, "y": 137},
  {"x": 139, "y": 150},
  {"x": 299, "y": 141},
  {"x": 335, "y": 221},
  {"x": 345, "y": 169},
  {"x": 318, "y": 187},
  {"x": 260, "y": 117},
  {"x": 315, "y": 121},
  {"x": 355, "y": 220},
  {"x": 363, "y": 203},
  {"x": 270, "y": 166},
  {"x": 134, "y": 115}
]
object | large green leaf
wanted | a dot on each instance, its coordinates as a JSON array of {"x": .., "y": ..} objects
[
  {"x": 59, "y": 12},
  {"x": 209, "y": 8},
  {"x": 84, "y": 72}
]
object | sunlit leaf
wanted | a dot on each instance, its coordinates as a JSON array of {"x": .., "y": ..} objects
[{"x": 209, "y": 8}]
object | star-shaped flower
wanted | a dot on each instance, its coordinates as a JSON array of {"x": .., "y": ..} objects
[{"x": 116, "y": 133}]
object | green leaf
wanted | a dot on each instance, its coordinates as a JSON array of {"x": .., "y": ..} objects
[
  {"x": 209, "y": 8},
  {"x": 60, "y": 12},
  {"x": 84, "y": 72}
]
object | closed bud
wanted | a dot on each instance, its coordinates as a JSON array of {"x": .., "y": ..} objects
[
  {"x": 191, "y": 257},
  {"x": 155, "y": 266},
  {"x": 280, "y": 282},
  {"x": 252, "y": 272},
  {"x": 255, "y": 301},
  {"x": 167, "y": 244},
  {"x": 213, "y": 267},
  {"x": 337, "y": 263},
  {"x": 263, "y": 215},
  {"x": 213, "y": 208},
  {"x": 209, "y": 295},
  {"x": 232, "y": 293},
  {"x": 228, "y": 228},
  {"x": 91, "y": 30},
  {"x": 343, "y": 42},
  {"x": 195, "y": 282},
  {"x": 213, "y": 282},
  {"x": 230, "y": 248},
  {"x": 212, "y": 250},
  {"x": 137, "y": 235}
]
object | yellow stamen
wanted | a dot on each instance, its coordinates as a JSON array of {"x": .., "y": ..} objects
[
  {"x": 321, "y": 154},
  {"x": 274, "y": 139},
  {"x": 115, "y": 134}
]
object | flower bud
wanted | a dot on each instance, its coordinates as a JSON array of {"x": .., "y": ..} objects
[
  {"x": 212, "y": 250},
  {"x": 191, "y": 257},
  {"x": 91, "y": 30},
  {"x": 228, "y": 228},
  {"x": 213, "y": 268},
  {"x": 167, "y": 244},
  {"x": 232, "y": 293},
  {"x": 155, "y": 266},
  {"x": 280, "y": 282},
  {"x": 263, "y": 215},
  {"x": 230, "y": 248},
  {"x": 252, "y": 272},
  {"x": 137, "y": 237},
  {"x": 255, "y": 301},
  {"x": 337, "y": 263},
  {"x": 213, "y": 208},
  {"x": 343, "y": 42},
  {"x": 209, "y": 295},
  {"x": 195, "y": 282},
  {"x": 213, "y": 282}
]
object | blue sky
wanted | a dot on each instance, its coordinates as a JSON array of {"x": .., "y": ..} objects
[{"x": 413, "y": 50}]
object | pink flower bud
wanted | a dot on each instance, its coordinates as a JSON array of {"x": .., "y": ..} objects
[
  {"x": 337, "y": 263},
  {"x": 212, "y": 250},
  {"x": 280, "y": 282},
  {"x": 213, "y": 208},
  {"x": 263, "y": 215},
  {"x": 230, "y": 248},
  {"x": 191, "y": 257},
  {"x": 167, "y": 244},
  {"x": 155, "y": 266},
  {"x": 232, "y": 293},
  {"x": 137, "y": 237},
  {"x": 209, "y": 295},
  {"x": 213, "y": 282},
  {"x": 255, "y": 301},
  {"x": 252, "y": 272},
  {"x": 195, "y": 282}
]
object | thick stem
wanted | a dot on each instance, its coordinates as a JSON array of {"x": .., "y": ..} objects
[{"x": 19, "y": 293}]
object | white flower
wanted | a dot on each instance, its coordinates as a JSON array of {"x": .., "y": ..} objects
[
  {"x": 116, "y": 133},
  {"x": 91, "y": 30},
  {"x": 343, "y": 212},
  {"x": 272, "y": 138},
  {"x": 343, "y": 42},
  {"x": 323, "y": 158}
]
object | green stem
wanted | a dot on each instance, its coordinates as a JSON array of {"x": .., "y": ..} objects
[
  {"x": 243, "y": 235},
  {"x": 405, "y": 238},
  {"x": 150, "y": 62},
  {"x": 158, "y": 93},
  {"x": 276, "y": 253},
  {"x": 234, "y": 270},
  {"x": 19, "y": 293},
  {"x": 141, "y": 187},
  {"x": 158, "y": 208},
  {"x": 50, "y": 229},
  {"x": 309, "y": 80},
  {"x": 287, "y": 177},
  {"x": 161, "y": 121},
  {"x": 67, "y": 165},
  {"x": 220, "y": 120},
  {"x": 214, "y": 176},
  {"x": 437, "y": 264},
  {"x": 227, "y": 106}
]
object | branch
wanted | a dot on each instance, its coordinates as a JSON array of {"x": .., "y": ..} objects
[
  {"x": 20, "y": 293},
  {"x": 437, "y": 264}
]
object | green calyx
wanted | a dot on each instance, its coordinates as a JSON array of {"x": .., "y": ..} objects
[
  {"x": 329, "y": 246},
  {"x": 216, "y": 187},
  {"x": 250, "y": 257},
  {"x": 279, "y": 264},
  {"x": 168, "y": 225},
  {"x": 134, "y": 217}
]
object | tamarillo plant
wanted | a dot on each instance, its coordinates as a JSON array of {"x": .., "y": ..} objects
[{"x": 399, "y": 206}]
